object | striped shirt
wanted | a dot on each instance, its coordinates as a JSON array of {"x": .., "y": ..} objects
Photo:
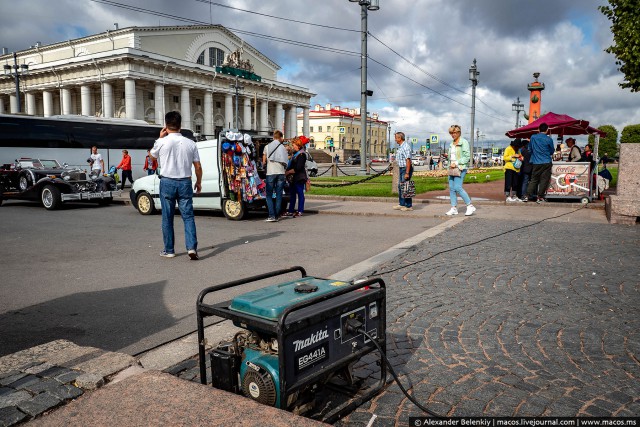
[{"x": 403, "y": 153}]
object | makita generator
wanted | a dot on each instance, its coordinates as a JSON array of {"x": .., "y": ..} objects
[{"x": 297, "y": 337}]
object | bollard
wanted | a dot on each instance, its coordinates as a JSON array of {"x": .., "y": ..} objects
[
  {"x": 334, "y": 169},
  {"x": 395, "y": 180}
]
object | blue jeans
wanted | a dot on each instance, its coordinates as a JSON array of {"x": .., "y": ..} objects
[
  {"x": 180, "y": 190},
  {"x": 525, "y": 183},
  {"x": 455, "y": 188},
  {"x": 401, "y": 200},
  {"x": 274, "y": 183},
  {"x": 296, "y": 190},
  {"x": 151, "y": 172}
]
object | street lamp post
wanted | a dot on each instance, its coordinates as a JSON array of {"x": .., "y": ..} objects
[
  {"x": 517, "y": 107},
  {"x": 238, "y": 89},
  {"x": 16, "y": 73},
  {"x": 365, "y": 5},
  {"x": 473, "y": 76}
]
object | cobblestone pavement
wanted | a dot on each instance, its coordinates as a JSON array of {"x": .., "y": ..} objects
[{"x": 541, "y": 322}]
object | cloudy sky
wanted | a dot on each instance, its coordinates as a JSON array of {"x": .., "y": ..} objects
[{"x": 419, "y": 52}]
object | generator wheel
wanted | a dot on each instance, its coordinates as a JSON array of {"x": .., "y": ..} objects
[
  {"x": 584, "y": 200},
  {"x": 144, "y": 203},
  {"x": 50, "y": 197},
  {"x": 233, "y": 210}
]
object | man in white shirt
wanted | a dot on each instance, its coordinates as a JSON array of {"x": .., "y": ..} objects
[
  {"x": 276, "y": 158},
  {"x": 97, "y": 164},
  {"x": 176, "y": 154}
]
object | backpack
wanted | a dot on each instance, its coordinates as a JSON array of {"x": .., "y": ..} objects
[{"x": 310, "y": 165}]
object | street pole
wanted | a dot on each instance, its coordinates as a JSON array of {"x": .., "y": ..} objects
[
  {"x": 363, "y": 89},
  {"x": 237, "y": 88},
  {"x": 473, "y": 76},
  {"x": 17, "y": 71},
  {"x": 517, "y": 107}
]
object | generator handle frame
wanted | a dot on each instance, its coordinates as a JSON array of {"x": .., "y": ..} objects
[{"x": 201, "y": 311}]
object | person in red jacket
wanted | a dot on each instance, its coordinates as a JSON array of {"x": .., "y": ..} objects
[
  {"x": 125, "y": 166},
  {"x": 150, "y": 164}
]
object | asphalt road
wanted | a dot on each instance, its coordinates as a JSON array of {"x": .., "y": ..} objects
[{"x": 93, "y": 275}]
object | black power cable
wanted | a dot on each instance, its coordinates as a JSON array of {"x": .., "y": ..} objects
[
  {"x": 473, "y": 243},
  {"x": 354, "y": 325}
]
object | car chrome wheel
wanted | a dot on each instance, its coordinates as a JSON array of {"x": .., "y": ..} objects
[
  {"x": 144, "y": 203},
  {"x": 23, "y": 183},
  {"x": 47, "y": 198},
  {"x": 233, "y": 210}
]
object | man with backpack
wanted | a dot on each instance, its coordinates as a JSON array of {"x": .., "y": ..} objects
[
  {"x": 275, "y": 157},
  {"x": 575, "y": 154}
]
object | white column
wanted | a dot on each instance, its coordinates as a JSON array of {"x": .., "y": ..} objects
[
  {"x": 208, "y": 113},
  {"x": 130, "y": 98},
  {"x": 185, "y": 107},
  {"x": 85, "y": 100},
  {"x": 279, "y": 118},
  {"x": 47, "y": 103},
  {"x": 305, "y": 121},
  {"x": 264, "y": 116},
  {"x": 246, "y": 118},
  {"x": 66, "y": 101},
  {"x": 107, "y": 99},
  {"x": 1, "y": 104},
  {"x": 13, "y": 104},
  {"x": 31, "y": 103},
  {"x": 159, "y": 103},
  {"x": 228, "y": 111}
]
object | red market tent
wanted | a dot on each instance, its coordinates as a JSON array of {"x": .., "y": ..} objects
[{"x": 559, "y": 124}]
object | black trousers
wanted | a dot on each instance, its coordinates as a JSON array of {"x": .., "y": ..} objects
[
  {"x": 125, "y": 175},
  {"x": 540, "y": 177}
]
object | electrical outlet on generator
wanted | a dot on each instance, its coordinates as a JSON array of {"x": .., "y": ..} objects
[{"x": 357, "y": 316}]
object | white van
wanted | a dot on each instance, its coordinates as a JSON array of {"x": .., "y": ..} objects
[{"x": 145, "y": 191}]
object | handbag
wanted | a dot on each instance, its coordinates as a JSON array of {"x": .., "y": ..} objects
[
  {"x": 455, "y": 171},
  {"x": 408, "y": 189},
  {"x": 517, "y": 163}
]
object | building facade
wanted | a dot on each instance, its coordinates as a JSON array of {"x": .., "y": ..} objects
[
  {"x": 333, "y": 128},
  {"x": 144, "y": 72}
]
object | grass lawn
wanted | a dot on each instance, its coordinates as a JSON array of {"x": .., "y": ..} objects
[{"x": 380, "y": 186}]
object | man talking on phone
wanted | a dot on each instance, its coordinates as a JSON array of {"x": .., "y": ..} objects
[{"x": 176, "y": 154}]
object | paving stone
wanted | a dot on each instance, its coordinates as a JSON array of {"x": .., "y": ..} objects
[
  {"x": 68, "y": 377},
  {"x": 10, "y": 373},
  {"x": 66, "y": 392},
  {"x": 46, "y": 384},
  {"x": 24, "y": 382},
  {"x": 16, "y": 375},
  {"x": 89, "y": 381},
  {"x": 13, "y": 399},
  {"x": 54, "y": 371},
  {"x": 37, "y": 369},
  {"x": 10, "y": 416},
  {"x": 38, "y": 404},
  {"x": 6, "y": 390}
]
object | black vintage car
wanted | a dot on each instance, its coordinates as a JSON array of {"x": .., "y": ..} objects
[{"x": 52, "y": 184}]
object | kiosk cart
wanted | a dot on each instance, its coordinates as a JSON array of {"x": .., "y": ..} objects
[{"x": 569, "y": 180}]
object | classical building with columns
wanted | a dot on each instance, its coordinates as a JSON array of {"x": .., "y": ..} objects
[{"x": 144, "y": 72}]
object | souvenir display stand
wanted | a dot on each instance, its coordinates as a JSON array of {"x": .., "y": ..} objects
[{"x": 240, "y": 172}]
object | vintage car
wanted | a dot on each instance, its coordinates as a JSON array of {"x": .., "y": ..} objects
[{"x": 47, "y": 181}]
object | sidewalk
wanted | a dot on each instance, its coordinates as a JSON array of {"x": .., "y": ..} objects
[{"x": 470, "y": 332}]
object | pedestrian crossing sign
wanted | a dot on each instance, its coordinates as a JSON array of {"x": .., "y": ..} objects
[
  {"x": 434, "y": 139},
  {"x": 341, "y": 129}
]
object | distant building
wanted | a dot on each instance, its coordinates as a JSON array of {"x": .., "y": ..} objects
[
  {"x": 342, "y": 128},
  {"x": 144, "y": 72}
]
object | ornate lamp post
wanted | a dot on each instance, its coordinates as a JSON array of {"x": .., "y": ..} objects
[
  {"x": 473, "y": 76},
  {"x": 365, "y": 5},
  {"x": 16, "y": 71},
  {"x": 238, "y": 89}
]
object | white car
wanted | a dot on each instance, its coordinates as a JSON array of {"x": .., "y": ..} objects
[{"x": 417, "y": 162}]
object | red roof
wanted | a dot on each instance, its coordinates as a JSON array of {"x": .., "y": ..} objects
[{"x": 559, "y": 124}]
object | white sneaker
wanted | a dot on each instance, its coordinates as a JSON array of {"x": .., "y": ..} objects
[
  {"x": 398, "y": 207},
  {"x": 470, "y": 210},
  {"x": 452, "y": 211},
  {"x": 517, "y": 199},
  {"x": 509, "y": 199}
]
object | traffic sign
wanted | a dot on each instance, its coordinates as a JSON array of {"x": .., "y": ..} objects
[
  {"x": 414, "y": 140},
  {"x": 341, "y": 129},
  {"x": 434, "y": 139}
]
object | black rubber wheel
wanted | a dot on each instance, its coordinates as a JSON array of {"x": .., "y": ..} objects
[
  {"x": 50, "y": 197},
  {"x": 144, "y": 203},
  {"x": 233, "y": 210},
  {"x": 24, "y": 181}
]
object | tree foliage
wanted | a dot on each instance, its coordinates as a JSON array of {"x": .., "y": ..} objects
[
  {"x": 625, "y": 18},
  {"x": 631, "y": 134},
  {"x": 609, "y": 143}
]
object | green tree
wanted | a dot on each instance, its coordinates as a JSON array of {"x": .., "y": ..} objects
[
  {"x": 609, "y": 143},
  {"x": 631, "y": 134},
  {"x": 625, "y": 18}
]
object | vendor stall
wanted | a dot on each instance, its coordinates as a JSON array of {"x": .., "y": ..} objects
[{"x": 569, "y": 180}]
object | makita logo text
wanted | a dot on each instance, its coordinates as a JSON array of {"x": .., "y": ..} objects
[{"x": 317, "y": 337}]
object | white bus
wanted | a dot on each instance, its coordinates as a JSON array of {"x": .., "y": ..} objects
[{"x": 69, "y": 139}]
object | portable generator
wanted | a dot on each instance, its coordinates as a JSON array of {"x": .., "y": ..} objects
[{"x": 296, "y": 338}]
